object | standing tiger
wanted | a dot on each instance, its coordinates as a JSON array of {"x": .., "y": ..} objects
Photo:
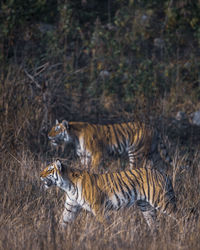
[
  {"x": 94, "y": 141},
  {"x": 98, "y": 193}
]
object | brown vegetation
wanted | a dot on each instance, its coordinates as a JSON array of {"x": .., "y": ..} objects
[{"x": 29, "y": 215}]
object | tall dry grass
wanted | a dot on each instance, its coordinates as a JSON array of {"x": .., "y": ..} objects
[{"x": 29, "y": 216}]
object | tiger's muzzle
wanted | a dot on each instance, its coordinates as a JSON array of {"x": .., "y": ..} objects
[
  {"x": 47, "y": 182},
  {"x": 53, "y": 141}
]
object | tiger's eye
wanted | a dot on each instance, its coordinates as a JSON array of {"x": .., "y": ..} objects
[{"x": 57, "y": 128}]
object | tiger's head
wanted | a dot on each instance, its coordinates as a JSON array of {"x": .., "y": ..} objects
[
  {"x": 59, "y": 133},
  {"x": 52, "y": 175},
  {"x": 59, "y": 175}
]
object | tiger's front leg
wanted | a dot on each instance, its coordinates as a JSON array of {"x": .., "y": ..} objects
[{"x": 70, "y": 212}]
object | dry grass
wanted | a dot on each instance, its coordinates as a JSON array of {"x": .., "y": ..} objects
[{"x": 29, "y": 216}]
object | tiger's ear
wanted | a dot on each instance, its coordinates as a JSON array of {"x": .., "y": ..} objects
[
  {"x": 65, "y": 123},
  {"x": 59, "y": 165},
  {"x": 57, "y": 122}
]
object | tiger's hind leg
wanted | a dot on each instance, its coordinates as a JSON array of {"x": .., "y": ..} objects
[
  {"x": 131, "y": 158},
  {"x": 150, "y": 217},
  {"x": 134, "y": 159},
  {"x": 149, "y": 214}
]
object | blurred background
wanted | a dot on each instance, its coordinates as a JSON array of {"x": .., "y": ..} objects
[{"x": 96, "y": 61}]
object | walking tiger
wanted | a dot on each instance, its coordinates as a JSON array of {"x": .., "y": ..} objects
[
  {"x": 94, "y": 141},
  {"x": 99, "y": 193}
]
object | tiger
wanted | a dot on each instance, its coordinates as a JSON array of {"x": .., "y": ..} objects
[
  {"x": 146, "y": 187},
  {"x": 94, "y": 141}
]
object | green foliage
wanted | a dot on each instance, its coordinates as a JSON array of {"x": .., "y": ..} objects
[{"x": 133, "y": 50}]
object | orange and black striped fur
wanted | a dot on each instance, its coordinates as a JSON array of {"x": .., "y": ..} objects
[
  {"x": 93, "y": 141},
  {"x": 146, "y": 187}
]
